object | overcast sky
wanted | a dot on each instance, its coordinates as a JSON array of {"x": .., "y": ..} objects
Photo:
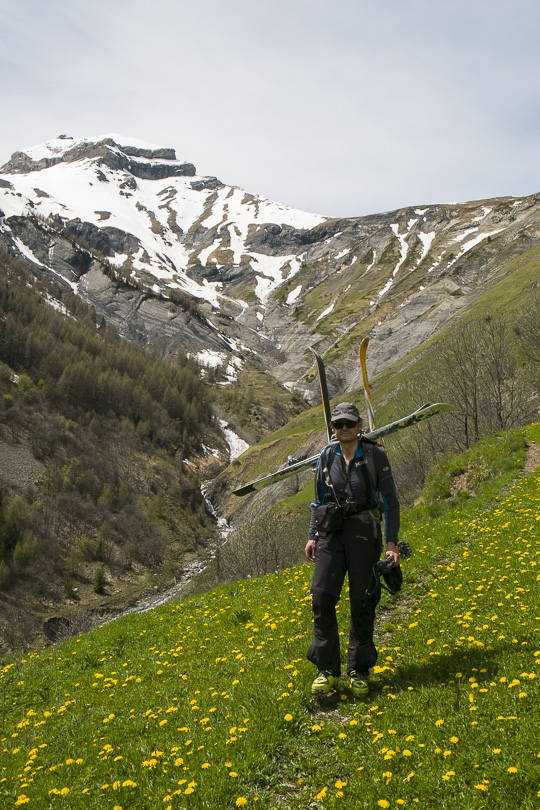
[{"x": 340, "y": 107}]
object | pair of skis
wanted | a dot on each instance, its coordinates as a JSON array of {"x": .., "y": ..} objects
[
  {"x": 324, "y": 389},
  {"x": 419, "y": 415}
]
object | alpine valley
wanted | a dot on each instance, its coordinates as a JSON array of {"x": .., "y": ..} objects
[
  {"x": 173, "y": 259},
  {"x": 215, "y": 275}
]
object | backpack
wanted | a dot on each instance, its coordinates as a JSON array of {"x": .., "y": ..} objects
[{"x": 367, "y": 466}]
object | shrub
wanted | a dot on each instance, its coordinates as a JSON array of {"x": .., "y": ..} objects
[{"x": 99, "y": 582}]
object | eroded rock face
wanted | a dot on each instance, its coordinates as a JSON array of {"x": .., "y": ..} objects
[
  {"x": 265, "y": 281},
  {"x": 161, "y": 162}
]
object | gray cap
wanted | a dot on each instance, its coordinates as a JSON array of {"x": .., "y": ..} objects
[{"x": 345, "y": 410}]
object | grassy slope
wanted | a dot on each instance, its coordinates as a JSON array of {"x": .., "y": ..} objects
[
  {"x": 506, "y": 294},
  {"x": 206, "y": 703}
]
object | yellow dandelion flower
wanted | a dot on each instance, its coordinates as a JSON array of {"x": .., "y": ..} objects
[
  {"x": 383, "y": 803},
  {"x": 241, "y": 801},
  {"x": 512, "y": 769},
  {"x": 288, "y": 717}
]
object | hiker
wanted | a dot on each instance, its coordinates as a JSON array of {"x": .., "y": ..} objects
[{"x": 352, "y": 481}]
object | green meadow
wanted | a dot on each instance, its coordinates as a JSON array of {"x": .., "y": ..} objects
[{"x": 206, "y": 703}]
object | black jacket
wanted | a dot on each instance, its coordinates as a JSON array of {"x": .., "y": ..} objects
[{"x": 384, "y": 483}]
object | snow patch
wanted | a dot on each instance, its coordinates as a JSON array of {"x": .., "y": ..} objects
[
  {"x": 209, "y": 451},
  {"x": 213, "y": 359},
  {"x": 427, "y": 240},
  {"x": 326, "y": 312},
  {"x": 473, "y": 242},
  {"x": 293, "y": 295},
  {"x": 465, "y": 234},
  {"x": 237, "y": 446},
  {"x": 482, "y": 216}
]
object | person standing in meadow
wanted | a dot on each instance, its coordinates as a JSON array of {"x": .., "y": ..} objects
[{"x": 353, "y": 481}]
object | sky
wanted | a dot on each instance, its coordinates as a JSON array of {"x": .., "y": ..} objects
[{"x": 341, "y": 108}]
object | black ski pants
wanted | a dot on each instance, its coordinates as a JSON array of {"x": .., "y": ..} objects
[{"x": 353, "y": 550}]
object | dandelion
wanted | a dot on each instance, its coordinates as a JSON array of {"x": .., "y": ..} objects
[
  {"x": 241, "y": 801},
  {"x": 383, "y": 803},
  {"x": 288, "y": 718},
  {"x": 512, "y": 769}
]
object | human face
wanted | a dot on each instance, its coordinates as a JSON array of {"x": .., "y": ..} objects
[{"x": 345, "y": 428}]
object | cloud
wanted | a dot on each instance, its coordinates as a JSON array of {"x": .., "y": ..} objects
[{"x": 345, "y": 109}]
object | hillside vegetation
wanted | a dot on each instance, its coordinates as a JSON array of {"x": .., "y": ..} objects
[
  {"x": 205, "y": 703},
  {"x": 113, "y": 437},
  {"x": 487, "y": 366}
]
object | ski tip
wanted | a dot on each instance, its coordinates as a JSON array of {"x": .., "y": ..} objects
[
  {"x": 437, "y": 407},
  {"x": 444, "y": 407},
  {"x": 241, "y": 491}
]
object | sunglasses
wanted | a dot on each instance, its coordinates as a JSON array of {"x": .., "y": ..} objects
[{"x": 344, "y": 424}]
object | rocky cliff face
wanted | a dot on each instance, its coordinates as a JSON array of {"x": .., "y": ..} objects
[{"x": 174, "y": 259}]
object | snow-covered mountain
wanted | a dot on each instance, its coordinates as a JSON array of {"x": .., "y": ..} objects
[
  {"x": 175, "y": 259},
  {"x": 177, "y": 218}
]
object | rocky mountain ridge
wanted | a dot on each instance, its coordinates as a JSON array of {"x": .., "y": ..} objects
[{"x": 174, "y": 259}]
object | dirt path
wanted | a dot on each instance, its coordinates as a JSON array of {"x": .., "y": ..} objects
[{"x": 532, "y": 459}]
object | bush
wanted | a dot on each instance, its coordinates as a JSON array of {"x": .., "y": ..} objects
[
  {"x": 99, "y": 582},
  {"x": 5, "y": 575}
]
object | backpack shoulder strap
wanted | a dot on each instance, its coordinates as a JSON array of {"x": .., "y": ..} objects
[
  {"x": 370, "y": 463},
  {"x": 327, "y": 458}
]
